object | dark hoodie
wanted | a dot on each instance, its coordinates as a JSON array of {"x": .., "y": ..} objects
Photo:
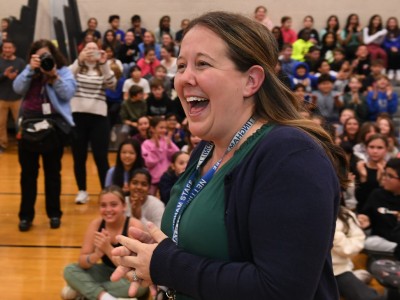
[{"x": 295, "y": 78}]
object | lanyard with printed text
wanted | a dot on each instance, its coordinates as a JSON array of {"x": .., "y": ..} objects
[{"x": 189, "y": 192}]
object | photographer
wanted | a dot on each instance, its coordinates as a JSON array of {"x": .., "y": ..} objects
[
  {"x": 47, "y": 87},
  {"x": 89, "y": 107}
]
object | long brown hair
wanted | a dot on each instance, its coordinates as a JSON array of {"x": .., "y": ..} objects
[{"x": 250, "y": 43}]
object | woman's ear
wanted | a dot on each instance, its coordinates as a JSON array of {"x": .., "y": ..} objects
[{"x": 255, "y": 78}]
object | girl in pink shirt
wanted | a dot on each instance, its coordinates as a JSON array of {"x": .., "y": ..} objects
[
  {"x": 158, "y": 151},
  {"x": 148, "y": 63}
]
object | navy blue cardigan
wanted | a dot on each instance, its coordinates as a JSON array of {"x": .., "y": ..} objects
[{"x": 281, "y": 207}]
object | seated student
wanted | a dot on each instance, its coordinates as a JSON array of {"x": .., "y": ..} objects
[
  {"x": 366, "y": 131},
  {"x": 361, "y": 64},
  {"x": 157, "y": 151},
  {"x": 132, "y": 109},
  {"x": 88, "y": 38},
  {"x": 380, "y": 212},
  {"x": 136, "y": 79},
  {"x": 345, "y": 114},
  {"x": 143, "y": 205},
  {"x": 129, "y": 158},
  {"x": 158, "y": 102},
  {"x": 286, "y": 59},
  {"x": 338, "y": 58},
  {"x": 377, "y": 68},
  {"x": 351, "y": 128},
  {"x": 92, "y": 30},
  {"x": 148, "y": 63},
  {"x": 312, "y": 59},
  {"x": 342, "y": 78},
  {"x": 191, "y": 142},
  {"x": 143, "y": 126},
  {"x": 307, "y": 102},
  {"x": 355, "y": 100},
  {"x": 90, "y": 278},
  {"x": 373, "y": 36},
  {"x": 382, "y": 98},
  {"x": 169, "y": 61},
  {"x": 178, "y": 165},
  {"x": 289, "y": 35},
  {"x": 301, "y": 75},
  {"x": 391, "y": 45},
  {"x": 137, "y": 29},
  {"x": 387, "y": 128},
  {"x": 329, "y": 43},
  {"x": 323, "y": 68},
  {"x": 370, "y": 171},
  {"x": 302, "y": 45},
  {"x": 351, "y": 35},
  {"x": 328, "y": 101},
  {"x": 161, "y": 74},
  {"x": 308, "y": 23},
  {"x": 174, "y": 130},
  {"x": 347, "y": 242},
  {"x": 114, "y": 21},
  {"x": 128, "y": 53},
  {"x": 179, "y": 33}
]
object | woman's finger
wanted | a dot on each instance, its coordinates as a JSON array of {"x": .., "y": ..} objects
[
  {"x": 155, "y": 232},
  {"x": 140, "y": 235},
  {"x": 121, "y": 251},
  {"x": 128, "y": 261},
  {"x": 119, "y": 272},
  {"x": 132, "y": 244}
]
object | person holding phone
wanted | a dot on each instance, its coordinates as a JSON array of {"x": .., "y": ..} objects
[{"x": 89, "y": 108}]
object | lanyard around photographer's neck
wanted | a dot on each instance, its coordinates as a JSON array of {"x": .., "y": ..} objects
[{"x": 189, "y": 192}]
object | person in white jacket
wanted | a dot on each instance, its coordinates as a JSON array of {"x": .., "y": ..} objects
[
  {"x": 373, "y": 36},
  {"x": 349, "y": 241}
]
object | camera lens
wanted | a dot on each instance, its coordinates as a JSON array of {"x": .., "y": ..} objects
[{"x": 47, "y": 62}]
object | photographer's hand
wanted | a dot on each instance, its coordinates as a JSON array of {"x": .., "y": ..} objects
[
  {"x": 34, "y": 62},
  {"x": 52, "y": 75}
]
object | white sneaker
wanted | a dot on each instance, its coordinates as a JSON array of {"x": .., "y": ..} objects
[
  {"x": 390, "y": 74},
  {"x": 68, "y": 293},
  {"x": 82, "y": 197}
]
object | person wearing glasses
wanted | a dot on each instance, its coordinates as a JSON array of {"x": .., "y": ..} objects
[{"x": 381, "y": 212}]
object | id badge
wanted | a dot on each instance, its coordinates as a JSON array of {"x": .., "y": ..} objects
[{"x": 46, "y": 109}]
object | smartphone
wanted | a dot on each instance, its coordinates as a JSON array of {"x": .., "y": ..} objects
[{"x": 96, "y": 54}]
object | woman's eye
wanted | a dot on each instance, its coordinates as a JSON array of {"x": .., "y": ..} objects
[
  {"x": 203, "y": 64},
  {"x": 181, "y": 67}
]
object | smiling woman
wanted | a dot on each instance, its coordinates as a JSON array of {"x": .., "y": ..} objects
[
  {"x": 89, "y": 278},
  {"x": 254, "y": 213}
]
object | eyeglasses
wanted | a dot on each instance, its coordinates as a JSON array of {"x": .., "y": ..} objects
[{"x": 390, "y": 176}]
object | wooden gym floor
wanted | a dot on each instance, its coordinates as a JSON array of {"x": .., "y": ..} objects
[{"x": 32, "y": 262}]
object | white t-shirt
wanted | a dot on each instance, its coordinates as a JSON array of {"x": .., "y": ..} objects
[
  {"x": 142, "y": 82},
  {"x": 172, "y": 68}
]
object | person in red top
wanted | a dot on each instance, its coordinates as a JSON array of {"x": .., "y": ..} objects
[
  {"x": 289, "y": 35},
  {"x": 148, "y": 63}
]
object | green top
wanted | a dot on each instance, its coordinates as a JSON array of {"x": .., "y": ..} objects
[
  {"x": 202, "y": 228},
  {"x": 132, "y": 110}
]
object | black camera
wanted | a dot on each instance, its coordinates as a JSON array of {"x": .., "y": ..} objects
[{"x": 47, "y": 62}]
